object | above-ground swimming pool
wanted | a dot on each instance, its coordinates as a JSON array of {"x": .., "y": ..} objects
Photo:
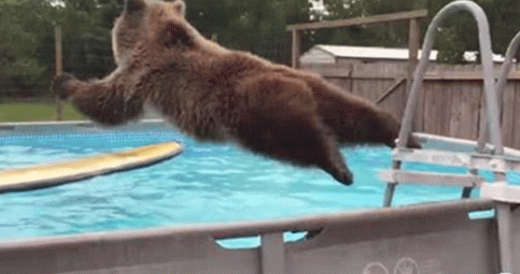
[
  {"x": 207, "y": 183},
  {"x": 210, "y": 184}
]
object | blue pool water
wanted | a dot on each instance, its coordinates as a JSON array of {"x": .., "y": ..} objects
[{"x": 206, "y": 183}]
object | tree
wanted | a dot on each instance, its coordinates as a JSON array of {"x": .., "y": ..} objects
[
  {"x": 388, "y": 35},
  {"x": 20, "y": 69},
  {"x": 459, "y": 33},
  {"x": 451, "y": 48},
  {"x": 27, "y": 40},
  {"x": 503, "y": 18},
  {"x": 258, "y": 26}
]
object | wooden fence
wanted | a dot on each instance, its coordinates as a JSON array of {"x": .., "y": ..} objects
[{"x": 450, "y": 103}]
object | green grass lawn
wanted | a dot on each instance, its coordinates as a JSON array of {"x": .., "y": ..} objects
[{"x": 35, "y": 110}]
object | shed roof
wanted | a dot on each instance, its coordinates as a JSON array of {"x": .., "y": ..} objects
[{"x": 357, "y": 52}]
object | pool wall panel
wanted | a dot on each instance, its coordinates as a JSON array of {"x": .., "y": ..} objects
[
  {"x": 459, "y": 247},
  {"x": 430, "y": 238}
]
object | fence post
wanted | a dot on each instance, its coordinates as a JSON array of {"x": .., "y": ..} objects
[
  {"x": 59, "y": 65},
  {"x": 296, "y": 41}
]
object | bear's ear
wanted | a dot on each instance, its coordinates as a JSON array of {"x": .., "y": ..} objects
[
  {"x": 134, "y": 5},
  {"x": 180, "y": 7}
]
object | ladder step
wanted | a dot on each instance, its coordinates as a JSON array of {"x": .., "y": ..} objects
[
  {"x": 501, "y": 191},
  {"x": 474, "y": 161},
  {"x": 412, "y": 177},
  {"x": 433, "y": 157}
]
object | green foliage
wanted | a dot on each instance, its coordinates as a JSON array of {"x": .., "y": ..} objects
[
  {"x": 259, "y": 26},
  {"x": 382, "y": 35},
  {"x": 504, "y": 20},
  {"x": 27, "y": 40},
  {"x": 451, "y": 48},
  {"x": 248, "y": 24},
  {"x": 19, "y": 66},
  {"x": 459, "y": 33}
]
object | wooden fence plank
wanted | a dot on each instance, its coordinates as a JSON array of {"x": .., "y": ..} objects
[
  {"x": 515, "y": 126},
  {"x": 433, "y": 103},
  {"x": 444, "y": 100},
  {"x": 392, "y": 89},
  {"x": 419, "y": 111},
  {"x": 464, "y": 111},
  {"x": 508, "y": 113},
  {"x": 344, "y": 84}
]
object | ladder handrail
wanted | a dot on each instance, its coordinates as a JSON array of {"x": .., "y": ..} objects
[
  {"x": 490, "y": 128},
  {"x": 500, "y": 87},
  {"x": 487, "y": 63}
]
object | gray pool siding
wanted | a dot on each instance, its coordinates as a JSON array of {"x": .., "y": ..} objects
[{"x": 430, "y": 238}]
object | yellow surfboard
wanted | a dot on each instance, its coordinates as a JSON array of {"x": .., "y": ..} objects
[{"x": 51, "y": 174}]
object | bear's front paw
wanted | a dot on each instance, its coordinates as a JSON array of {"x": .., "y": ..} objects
[
  {"x": 345, "y": 177},
  {"x": 342, "y": 175},
  {"x": 59, "y": 85}
]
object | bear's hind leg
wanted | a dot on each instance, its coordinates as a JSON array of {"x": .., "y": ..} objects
[
  {"x": 297, "y": 140},
  {"x": 281, "y": 122}
]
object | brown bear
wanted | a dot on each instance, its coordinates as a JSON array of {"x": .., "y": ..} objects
[{"x": 216, "y": 94}]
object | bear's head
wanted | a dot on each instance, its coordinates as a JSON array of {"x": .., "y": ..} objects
[{"x": 151, "y": 27}]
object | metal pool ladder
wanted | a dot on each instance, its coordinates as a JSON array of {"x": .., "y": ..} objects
[{"x": 483, "y": 156}]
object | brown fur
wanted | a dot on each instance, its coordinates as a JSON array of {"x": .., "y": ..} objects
[{"x": 215, "y": 94}]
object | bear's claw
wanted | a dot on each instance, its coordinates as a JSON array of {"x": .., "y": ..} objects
[{"x": 344, "y": 176}]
